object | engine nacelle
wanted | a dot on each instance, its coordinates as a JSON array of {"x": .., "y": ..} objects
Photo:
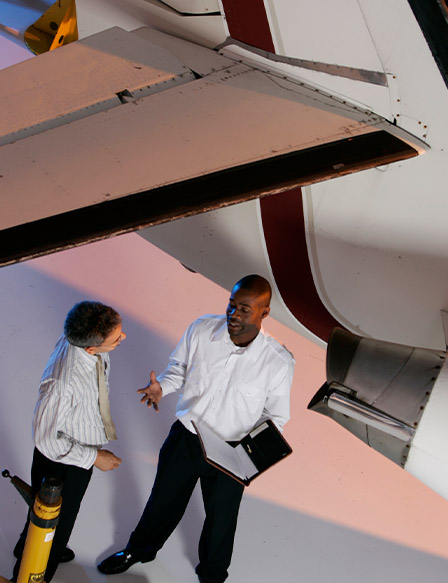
[{"x": 393, "y": 397}]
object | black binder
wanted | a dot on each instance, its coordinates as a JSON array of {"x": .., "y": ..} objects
[{"x": 260, "y": 449}]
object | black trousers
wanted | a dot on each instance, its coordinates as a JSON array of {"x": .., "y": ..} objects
[
  {"x": 75, "y": 481},
  {"x": 181, "y": 464}
]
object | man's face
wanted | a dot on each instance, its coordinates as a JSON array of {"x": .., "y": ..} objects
[
  {"x": 110, "y": 342},
  {"x": 245, "y": 313}
]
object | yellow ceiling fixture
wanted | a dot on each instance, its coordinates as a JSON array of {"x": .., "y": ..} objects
[{"x": 56, "y": 27}]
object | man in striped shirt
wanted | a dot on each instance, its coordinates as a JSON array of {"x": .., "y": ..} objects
[{"x": 69, "y": 430}]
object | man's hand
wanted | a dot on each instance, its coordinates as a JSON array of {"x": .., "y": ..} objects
[
  {"x": 152, "y": 393},
  {"x": 106, "y": 460}
]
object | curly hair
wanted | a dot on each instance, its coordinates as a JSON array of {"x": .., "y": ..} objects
[{"x": 89, "y": 323}]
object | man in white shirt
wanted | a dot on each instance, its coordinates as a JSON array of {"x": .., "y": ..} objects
[
  {"x": 72, "y": 418},
  {"x": 230, "y": 373}
]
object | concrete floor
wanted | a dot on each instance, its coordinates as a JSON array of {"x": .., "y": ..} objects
[{"x": 333, "y": 511}]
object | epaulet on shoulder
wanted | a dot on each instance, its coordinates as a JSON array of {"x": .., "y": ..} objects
[
  {"x": 280, "y": 348},
  {"x": 211, "y": 321},
  {"x": 210, "y": 317}
]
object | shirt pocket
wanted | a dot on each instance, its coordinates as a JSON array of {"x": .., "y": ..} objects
[{"x": 249, "y": 398}]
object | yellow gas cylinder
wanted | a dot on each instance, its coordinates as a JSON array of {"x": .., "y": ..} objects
[{"x": 43, "y": 520}]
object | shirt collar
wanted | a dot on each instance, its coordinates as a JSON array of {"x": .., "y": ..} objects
[
  {"x": 256, "y": 346},
  {"x": 254, "y": 349},
  {"x": 89, "y": 359}
]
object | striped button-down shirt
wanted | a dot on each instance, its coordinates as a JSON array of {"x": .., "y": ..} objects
[{"x": 67, "y": 425}]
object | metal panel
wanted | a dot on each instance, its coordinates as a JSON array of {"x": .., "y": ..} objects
[
  {"x": 233, "y": 135},
  {"x": 378, "y": 390},
  {"x": 81, "y": 79},
  {"x": 199, "y": 59}
]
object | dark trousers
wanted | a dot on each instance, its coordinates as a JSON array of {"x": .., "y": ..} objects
[
  {"x": 75, "y": 481},
  {"x": 181, "y": 464}
]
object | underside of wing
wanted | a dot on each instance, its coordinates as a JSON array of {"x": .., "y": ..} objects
[{"x": 125, "y": 130}]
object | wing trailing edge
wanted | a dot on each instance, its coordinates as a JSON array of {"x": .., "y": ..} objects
[{"x": 122, "y": 131}]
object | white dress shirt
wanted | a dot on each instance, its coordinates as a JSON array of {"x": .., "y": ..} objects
[
  {"x": 226, "y": 387},
  {"x": 67, "y": 425}
]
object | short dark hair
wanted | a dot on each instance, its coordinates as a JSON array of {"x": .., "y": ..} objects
[
  {"x": 256, "y": 284},
  {"x": 89, "y": 323}
]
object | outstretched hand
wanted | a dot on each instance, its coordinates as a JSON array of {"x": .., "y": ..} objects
[{"x": 152, "y": 393}]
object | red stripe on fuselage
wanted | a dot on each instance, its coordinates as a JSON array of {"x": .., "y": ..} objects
[
  {"x": 248, "y": 22},
  {"x": 284, "y": 232}
]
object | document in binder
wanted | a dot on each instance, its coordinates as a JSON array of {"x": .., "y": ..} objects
[{"x": 256, "y": 452}]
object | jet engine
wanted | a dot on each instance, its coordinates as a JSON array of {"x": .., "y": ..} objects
[{"x": 392, "y": 396}]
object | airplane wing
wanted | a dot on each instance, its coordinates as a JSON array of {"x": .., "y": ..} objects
[{"x": 123, "y": 130}]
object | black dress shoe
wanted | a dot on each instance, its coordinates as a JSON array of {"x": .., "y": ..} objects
[
  {"x": 67, "y": 556},
  {"x": 121, "y": 561}
]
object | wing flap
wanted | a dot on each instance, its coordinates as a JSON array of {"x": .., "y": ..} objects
[{"x": 232, "y": 135}]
